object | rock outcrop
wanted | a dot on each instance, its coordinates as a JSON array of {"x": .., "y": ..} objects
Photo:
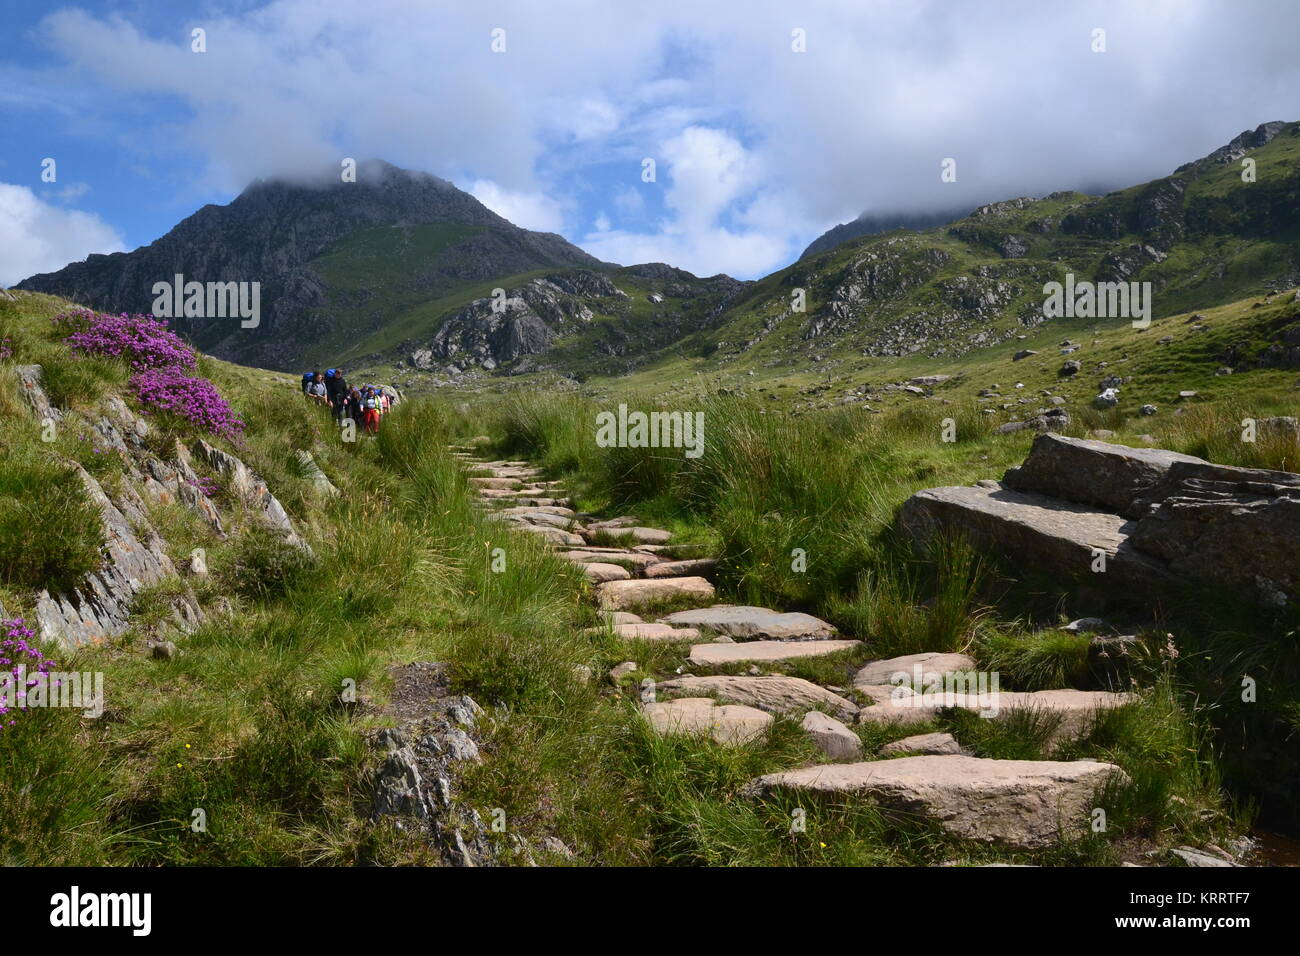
[
  {"x": 1145, "y": 522},
  {"x": 1021, "y": 804}
]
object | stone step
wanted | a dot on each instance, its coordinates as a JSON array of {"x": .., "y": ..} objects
[
  {"x": 831, "y": 737},
  {"x": 625, "y": 559},
  {"x": 652, "y": 536},
  {"x": 928, "y": 666},
  {"x": 598, "y": 573},
  {"x": 775, "y": 693},
  {"x": 1020, "y": 804},
  {"x": 729, "y": 725},
  {"x": 552, "y": 535},
  {"x": 1076, "y": 708},
  {"x": 744, "y": 623},
  {"x": 677, "y": 569},
  {"x": 759, "y": 652},
  {"x": 640, "y": 631},
  {"x": 629, "y": 595}
]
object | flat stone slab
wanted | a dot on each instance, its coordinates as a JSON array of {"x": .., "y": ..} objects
[
  {"x": 755, "y": 623},
  {"x": 552, "y": 535},
  {"x": 765, "y": 651},
  {"x": 1021, "y": 804},
  {"x": 922, "y": 744},
  {"x": 831, "y": 737},
  {"x": 729, "y": 725},
  {"x": 638, "y": 631},
  {"x": 629, "y": 595},
  {"x": 1049, "y": 534},
  {"x": 627, "y": 559},
  {"x": 676, "y": 569},
  {"x": 775, "y": 693},
  {"x": 1076, "y": 708},
  {"x": 635, "y": 533},
  {"x": 881, "y": 673},
  {"x": 598, "y": 573}
]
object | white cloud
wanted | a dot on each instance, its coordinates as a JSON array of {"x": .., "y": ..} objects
[
  {"x": 529, "y": 210},
  {"x": 768, "y": 143},
  {"x": 36, "y": 236},
  {"x": 707, "y": 172}
]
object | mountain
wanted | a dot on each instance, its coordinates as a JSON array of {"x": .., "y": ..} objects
[
  {"x": 1201, "y": 236},
  {"x": 336, "y": 261},
  {"x": 868, "y": 225},
  {"x": 404, "y": 269}
]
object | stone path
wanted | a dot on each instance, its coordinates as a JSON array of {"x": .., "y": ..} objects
[{"x": 1022, "y": 804}]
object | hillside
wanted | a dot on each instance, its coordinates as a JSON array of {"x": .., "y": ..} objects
[
  {"x": 336, "y": 260},
  {"x": 299, "y": 622}
]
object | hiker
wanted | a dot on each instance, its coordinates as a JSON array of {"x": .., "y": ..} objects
[
  {"x": 370, "y": 406},
  {"x": 352, "y": 399},
  {"x": 318, "y": 389},
  {"x": 307, "y": 378},
  {"x": 336, "y": 389}
]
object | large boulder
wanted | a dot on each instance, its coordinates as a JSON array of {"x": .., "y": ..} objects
[
  {"x": 1092, "y": 472},
  {"x": 1050, "y": 535},
  {"x": 1019, "y": 804},
  {"x": 1231, "y": 527}
]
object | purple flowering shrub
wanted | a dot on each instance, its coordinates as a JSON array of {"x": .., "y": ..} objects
[
  {"x": 160, "y": 359},
  {"x": 142, "y": 340},
  {"x": 18, "y": 659},
  {"x": 194, "y": 399}
]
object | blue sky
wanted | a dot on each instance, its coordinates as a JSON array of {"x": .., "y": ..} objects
[{"x": 758, "y": 147}]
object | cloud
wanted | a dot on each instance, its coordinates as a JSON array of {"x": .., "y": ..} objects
[
  {"x": 529, "y": 210},
  {"x": 771, "y": 145},
  {"x": 707, "y": 172},
  {"x": 36, "y": 236}
]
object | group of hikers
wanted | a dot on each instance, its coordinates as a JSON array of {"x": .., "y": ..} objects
[{"x": 365, "y": 405}]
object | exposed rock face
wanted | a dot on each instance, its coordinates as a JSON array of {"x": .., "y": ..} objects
[
  {"x": 775, "y": 693},
  {"x": 1163, "y": 521},
  {"x": 99, "y": 608},
  {"x": 1022, "y": 804},
  {"x": 420, "y": 758},
  {"x": 249, "y": 486},
  {"x": 489, "y": 332}
]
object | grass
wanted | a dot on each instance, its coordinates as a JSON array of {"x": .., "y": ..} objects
[{"x": 246, "y": 724}]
